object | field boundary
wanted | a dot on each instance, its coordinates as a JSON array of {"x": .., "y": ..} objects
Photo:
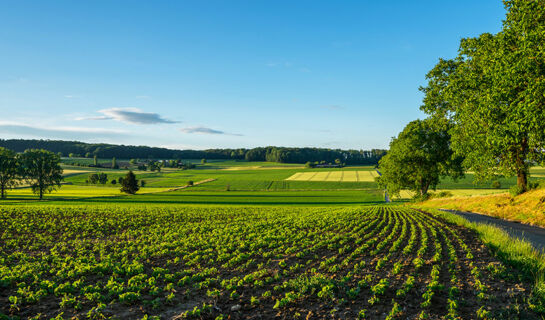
[{"x": 187, "y": 186}]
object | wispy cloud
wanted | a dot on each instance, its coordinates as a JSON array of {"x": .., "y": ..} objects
[
  {"x": 129, "y": 115},
  {"x": 142, "y": 97},
  {"x": 69, "y": 96},
  {"x": 13, "y": 128},
  {"x": 205, "y": 130}
]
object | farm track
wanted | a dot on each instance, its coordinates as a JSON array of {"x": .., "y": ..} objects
[{"x": 249, "y": 263}]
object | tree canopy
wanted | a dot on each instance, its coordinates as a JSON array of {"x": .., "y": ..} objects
[
  {"x": 274, "y": 154},
  {"x": 492, "y": 95},
  {"x": 418, "y": 157},
  {"x": 42, "y": 170},
  {"x": 129, "y": 184},
  {"x": 8, "y": 170}
]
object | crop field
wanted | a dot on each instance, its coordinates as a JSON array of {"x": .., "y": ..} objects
[
  {"x": 336, "y": 176},
  {"x": 240, "y": 263}
]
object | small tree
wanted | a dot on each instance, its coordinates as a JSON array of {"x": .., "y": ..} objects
[
  {"x": 95, "y": 161},
  {"x": 114, "y": 181},
  {"x": 129, "y": 184},
  {"x": 417, "y": 158},
  {"x": 88, "y": 155},
  {"x": 42, "y": 170},
  {"x": 142, "y": 183},
  {"x": 190, "y": 183},
  {"x": 114, "y": 163},
  {"x": 102, "y": 178},
  {"x": 93, "y": 178},
  {"x": 8, "y": 170},
  {"x": 203, "y": 161}
]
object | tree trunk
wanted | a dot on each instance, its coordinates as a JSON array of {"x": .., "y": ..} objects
[
  {"x": 424, "y": 186},
  {"x": 522, "y": 179},
  {"x": 522, "y": 166}
]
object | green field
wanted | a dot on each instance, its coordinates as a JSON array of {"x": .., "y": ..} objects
[
  {"x": 182, "y": 261},
  {"x": 335, "y": 176},
  {"x": 251, "y": 237}
]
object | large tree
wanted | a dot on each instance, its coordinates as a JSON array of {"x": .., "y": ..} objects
[
  {"x": 42, "y": 170},
  {"x": 8, "y": 171},
  {"x": 418, "y": 157},
  {"x": 493, "y": 95}
]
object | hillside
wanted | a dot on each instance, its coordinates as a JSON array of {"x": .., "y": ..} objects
[{"x": 526, "y": 208}]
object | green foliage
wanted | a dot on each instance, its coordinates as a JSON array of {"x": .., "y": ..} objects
[
  {"x": 129, "y": 184},
  {"x": 496, "y": 184},
  {"x": 145, "y": 260},
  {"x": 516, "y": 190},
  {"x": 42, "y": 170},
  {"x": 492, "y": 95},
  {"x": 95, "y": 178},
  {"x": 417, "y": 159},
  {"x": 8, "y": 171}
]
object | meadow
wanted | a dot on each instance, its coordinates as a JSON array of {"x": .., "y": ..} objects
[{"x": 217, "y": 263}]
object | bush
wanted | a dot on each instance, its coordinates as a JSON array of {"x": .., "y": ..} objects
[
  {"x": 227, "y": 188},
  {"x": 496, "y": 184},
  {"x": 190, "y": 183},
  {"x": 443, "y": 194},
  {"x": 418, "y": 197},
  {"x": 516, "y": 190},
  {"x": 114, "y": 181},
  {"x": 536, "y": 185}
]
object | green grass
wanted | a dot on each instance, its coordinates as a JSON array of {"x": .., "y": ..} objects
[{"x": 110, "y": 196}]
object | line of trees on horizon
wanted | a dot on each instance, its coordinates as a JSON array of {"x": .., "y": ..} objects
[{"x": 270, "y": 154}]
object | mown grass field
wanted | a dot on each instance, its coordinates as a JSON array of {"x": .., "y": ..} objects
[
  {"x": 335, "y": 176},
  {"x": 220, "y": 263}
]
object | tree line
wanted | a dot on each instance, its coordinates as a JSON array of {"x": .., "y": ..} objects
[
  {"x": 485, "y": 107},
  {"x": 271, "y": 154}
]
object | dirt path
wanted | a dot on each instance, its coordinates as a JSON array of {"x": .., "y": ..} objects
[{"x": 532, "y": 234}]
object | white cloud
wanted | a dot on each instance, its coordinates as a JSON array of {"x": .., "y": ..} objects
[
  {"x": 205, "y": 130},
  {"x": 14, "y": 128},
  {"x": 130, "y": 115}
]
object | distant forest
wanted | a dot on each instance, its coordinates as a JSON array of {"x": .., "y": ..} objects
[{"x": 270, "y": 154}]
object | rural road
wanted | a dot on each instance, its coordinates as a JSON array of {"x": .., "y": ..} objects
[{"x": 534, "y": 235}]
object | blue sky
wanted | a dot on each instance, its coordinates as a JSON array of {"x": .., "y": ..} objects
[{"x": 206, "y": 74}]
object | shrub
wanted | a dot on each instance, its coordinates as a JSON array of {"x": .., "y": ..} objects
[
  {"x": 114, "y": 181},
  {"x": 496, "y": 184},
  {"x": 190, "y": 183},
  {"x": 443, "y": 194},
  {"x": 516, "y": 190}
]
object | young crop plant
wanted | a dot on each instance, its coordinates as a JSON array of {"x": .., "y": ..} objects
[{"x": 143, "y": 261}]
